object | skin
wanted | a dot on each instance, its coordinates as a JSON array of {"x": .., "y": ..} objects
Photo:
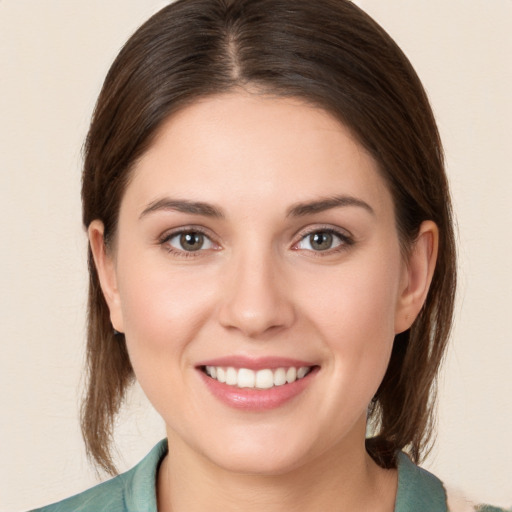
[{"x": 259, "y": 288}]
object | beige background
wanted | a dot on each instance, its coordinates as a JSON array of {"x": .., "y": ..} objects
[{"x": 53, "y": 57}]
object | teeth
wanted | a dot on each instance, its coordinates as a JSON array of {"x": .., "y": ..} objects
[
  {"x": 231, "y": 376},
  {"x": 279, "y": 377},
  {"x": 302, "y": 372},
  {"x": 246, "y": 378},
  {"x": 221, "y": 374},
  {"x": 261, "y": 379},
  {"x": 291, "y": 374},
  {"x": 264, "y": 379}
]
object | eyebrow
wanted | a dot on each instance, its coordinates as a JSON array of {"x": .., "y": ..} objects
[
  {"x": 297, "y": 210},
  {"x": 181, "y": 205},
  {"x": 321, "y": 205}
]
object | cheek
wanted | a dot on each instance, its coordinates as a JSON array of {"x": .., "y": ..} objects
[
  {"x": 163, "y": 312},
  {"x": 357, "y": 298},
  {"x": 162, "y": 309},
  {"x": 354, "y": 311}
]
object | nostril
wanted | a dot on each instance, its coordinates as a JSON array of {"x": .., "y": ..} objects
[{"x": 254, "y": 319}]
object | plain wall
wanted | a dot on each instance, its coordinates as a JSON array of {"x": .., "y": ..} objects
[{"x": 53, "y": 58}]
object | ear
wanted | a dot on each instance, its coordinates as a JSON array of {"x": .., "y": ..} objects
[
  {"x": 105, "y": 266},
  {"x": 417, "y": 276}
]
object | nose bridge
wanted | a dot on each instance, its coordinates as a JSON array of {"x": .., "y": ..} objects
[{"x": 255, "y": 299}]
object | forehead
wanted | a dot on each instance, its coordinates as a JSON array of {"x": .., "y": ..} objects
[{"x": 248, "y": 146}]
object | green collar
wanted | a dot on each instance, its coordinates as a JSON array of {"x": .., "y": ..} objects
[{"x": 418, "y": 490}]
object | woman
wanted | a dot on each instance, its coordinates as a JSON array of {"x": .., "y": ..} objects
[{"x": 272, "y": 257}]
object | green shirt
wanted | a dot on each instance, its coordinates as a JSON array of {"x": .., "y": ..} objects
[{"x": 135, "y": 490}]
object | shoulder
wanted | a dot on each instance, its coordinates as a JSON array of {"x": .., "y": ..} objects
[
  {"x": 133, "y": 491},
  {"x": 420, "y": 491},
  {"x": 106, "y": 496}
]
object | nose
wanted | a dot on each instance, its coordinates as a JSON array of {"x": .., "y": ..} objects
[{"x": 256, "y": 297}]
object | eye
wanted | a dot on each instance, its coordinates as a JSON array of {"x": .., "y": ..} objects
[
  {"x": 189, "y": 241},
  {"x": 323, "y": 240}
]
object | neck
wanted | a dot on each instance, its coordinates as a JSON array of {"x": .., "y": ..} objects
[{"x": 338, "y": 480}]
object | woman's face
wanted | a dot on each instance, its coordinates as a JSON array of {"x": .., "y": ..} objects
[{"x": 257, "y": 241}]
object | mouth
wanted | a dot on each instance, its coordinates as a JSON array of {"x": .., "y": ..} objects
[
  {"x": 257, "y": 384},
  {"x": 262, "y": 379}
]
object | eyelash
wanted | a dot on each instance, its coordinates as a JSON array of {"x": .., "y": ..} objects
[
  {"x": 167, "y": 237},
  {"x": 345, "y": 241}
]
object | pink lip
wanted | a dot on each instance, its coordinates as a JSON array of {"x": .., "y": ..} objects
[{"x": 255, "y": 400}]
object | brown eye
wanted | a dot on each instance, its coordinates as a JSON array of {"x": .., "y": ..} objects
[
  {"x": 324, "y": 240},
  {"x": 321, "y": 240},
  {"x": 188, "y": 242},
  {"x": 191, "y": 241}
]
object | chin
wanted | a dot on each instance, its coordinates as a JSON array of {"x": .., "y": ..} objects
[
  {"x": 271, "y": 462},
  {"x": 266, "y": 453}
]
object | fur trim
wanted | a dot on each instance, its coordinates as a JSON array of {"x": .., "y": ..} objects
[{"x": 457, "y": 502}]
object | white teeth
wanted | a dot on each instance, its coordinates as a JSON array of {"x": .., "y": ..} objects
[
  {"x": 261, "y": 379},
  {"x": 279, "y": 377},
  {"x": 291, "y": 374},
  {"x": 211, "y": 371},
  {"x": 302, "y": 372},
  {"x": 246, "y": 378},
  {"x": 221, "y": 375},
  {"x": 264, "y": 379},
  {"x": 231, "y": 376}
]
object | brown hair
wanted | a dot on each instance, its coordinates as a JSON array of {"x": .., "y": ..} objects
[{"x": 332, "y": 55}]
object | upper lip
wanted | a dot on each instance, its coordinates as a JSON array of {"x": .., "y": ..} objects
[{"x": 255, "y": 363}]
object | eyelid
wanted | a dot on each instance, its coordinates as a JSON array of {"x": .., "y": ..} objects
[
  {"x": 337, "y": 230},
  {"x": 192, "y": 228},
  {"x": 164, "y": 238},
  {"x": 347, "y": 239}
]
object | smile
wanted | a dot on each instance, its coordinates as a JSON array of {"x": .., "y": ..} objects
[{"x": 265, "y": 378}]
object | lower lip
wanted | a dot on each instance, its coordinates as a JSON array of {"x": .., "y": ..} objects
[{"x": 250, "y": 399}]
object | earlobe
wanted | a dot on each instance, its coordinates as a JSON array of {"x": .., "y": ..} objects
[
  {"x": 417, "y": 277},
  {"x": 105, "y": 267}
]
